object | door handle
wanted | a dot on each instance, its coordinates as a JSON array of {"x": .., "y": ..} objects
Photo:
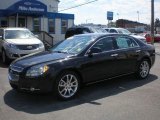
[
  {"x": 137, "y": 51},
  {"x": 114, "y": 55}
]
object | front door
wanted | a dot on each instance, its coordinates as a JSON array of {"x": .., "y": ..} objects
[
  {"x": 21, "y": 22},
  {"x": 102, "y": 64}
]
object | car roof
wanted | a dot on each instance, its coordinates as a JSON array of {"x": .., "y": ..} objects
[
  {"x": 98, "y": 34},
  {"x": 14, "y": 28},
  {"x": 76, "y": 27},
  {"x": 116, "y": 28}
]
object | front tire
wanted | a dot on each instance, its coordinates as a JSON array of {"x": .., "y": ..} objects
[
  {"x": 67, "y": 85},
  {"x": 14, "y": 87},
  {"x": 143, "y": 69},
  {"x": 5, "y": 59}
]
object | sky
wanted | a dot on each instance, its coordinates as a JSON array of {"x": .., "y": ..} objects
[{"x": 96, "y": 12}]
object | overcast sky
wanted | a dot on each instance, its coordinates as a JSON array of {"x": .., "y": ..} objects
[{"x": 96, "y": 12}]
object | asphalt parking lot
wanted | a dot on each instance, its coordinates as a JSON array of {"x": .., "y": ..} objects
[{"x": 124, "y": 98}]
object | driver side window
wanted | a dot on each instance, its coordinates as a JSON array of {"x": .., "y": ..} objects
[{"x": 104, "y": 44}]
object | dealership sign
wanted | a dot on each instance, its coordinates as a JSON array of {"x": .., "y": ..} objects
[
  {"x": 34, "y": 9},
  {"x": 29, "y": 6},
  {"x": 109, "y": 15}
]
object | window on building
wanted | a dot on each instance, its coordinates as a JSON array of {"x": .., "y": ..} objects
[
  {"x": 36, "y": 24},
  {"x": 4, "y": 23},
  {"x": 51, "y": 25},
  {"x": 64, "y": 26}
]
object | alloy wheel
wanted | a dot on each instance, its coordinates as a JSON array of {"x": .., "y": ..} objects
[
  {"x": 68, "y": 85},
  {"x": 144, "y": 69}
]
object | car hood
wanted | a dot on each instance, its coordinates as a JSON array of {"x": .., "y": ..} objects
[
  {"x": 28, "y": 41},
  {"x": 41, "y": 57}
]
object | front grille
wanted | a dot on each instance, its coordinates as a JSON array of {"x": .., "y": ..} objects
[{"x": 28, "y": 47}]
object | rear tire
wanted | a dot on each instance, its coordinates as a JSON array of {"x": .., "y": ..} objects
[
  {"x": 143, "y": 69},
  {"x": 67, "y": 85}
]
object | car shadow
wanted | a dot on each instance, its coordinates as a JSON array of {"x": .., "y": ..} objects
[{"x": 43, "y": 103}]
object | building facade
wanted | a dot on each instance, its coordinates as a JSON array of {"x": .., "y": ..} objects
[{"x": 36, "y": 15}]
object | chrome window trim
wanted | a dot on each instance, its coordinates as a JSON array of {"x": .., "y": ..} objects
[{"x": 113, "y": 49}]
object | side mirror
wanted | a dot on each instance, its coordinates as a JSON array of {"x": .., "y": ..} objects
[{"x": 94, "y": 50}]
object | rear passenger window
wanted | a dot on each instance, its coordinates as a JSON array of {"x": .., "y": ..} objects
[{"x": 125, "y": 42}]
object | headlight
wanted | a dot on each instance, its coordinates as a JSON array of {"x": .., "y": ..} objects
[
  {"x": 41, "y": 45},
  {"x": 9, "y": 45},
  {"x": 37, "y": 70}
]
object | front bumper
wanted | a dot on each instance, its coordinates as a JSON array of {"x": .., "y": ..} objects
[
  {"x": 39, "y": 84},
  {"x": 16, "y": 53}
]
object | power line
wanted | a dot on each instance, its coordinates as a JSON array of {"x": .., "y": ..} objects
[
  {"x": 78, "y": 5},
  {"x": 66, "y": 2}
]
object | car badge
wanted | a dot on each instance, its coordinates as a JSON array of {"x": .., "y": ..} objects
[{"x": 29, "y": 47}]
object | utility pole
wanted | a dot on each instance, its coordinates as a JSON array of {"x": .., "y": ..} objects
[
  {"x": 152, "y": 20},
  {"x": 138, "y": 15},
  {"x": 118, "y": 15}
]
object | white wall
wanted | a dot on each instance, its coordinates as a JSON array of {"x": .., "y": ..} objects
[
  {"x": 30, "y": 23},
  {"x": 44, "y": 24},
  {"x": 70, "y": 23},
  {"x": 12, "y": 21},
  {"x": 52, "y": 5}
]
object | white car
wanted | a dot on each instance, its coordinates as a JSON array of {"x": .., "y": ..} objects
[
  {"x": 124, "y": 31},
  {"x": 17, "y": 42}
]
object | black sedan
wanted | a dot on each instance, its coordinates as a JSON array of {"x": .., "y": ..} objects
[{"x": 79, "y": 60}]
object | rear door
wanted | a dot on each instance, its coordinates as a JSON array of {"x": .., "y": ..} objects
[{"x": 128, "y": 53}]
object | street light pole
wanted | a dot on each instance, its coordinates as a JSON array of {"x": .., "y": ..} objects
[
  {"x": 152, "y": 20},
  {"x": 138, "y": 15},
  {"x": 118, "y": 15}
]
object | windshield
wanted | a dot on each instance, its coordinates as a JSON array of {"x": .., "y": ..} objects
[
  {"x": 18, "y": 34},
  {"x": 123, "y": 31},
  {"x": 97, "y": 30},
  {"x": 73, "y": 45}
]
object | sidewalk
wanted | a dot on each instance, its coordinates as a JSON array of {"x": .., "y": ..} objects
[{"x": 157, "y": 47}]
